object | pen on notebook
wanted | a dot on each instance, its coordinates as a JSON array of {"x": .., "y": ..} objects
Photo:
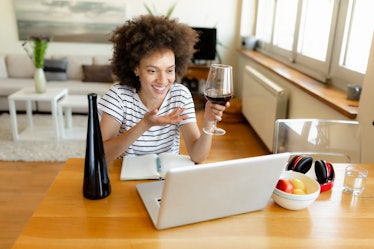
[{"x": 158, "y": 165}]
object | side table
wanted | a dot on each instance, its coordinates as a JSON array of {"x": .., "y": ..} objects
[
  {"x": 28, "y": 95},
  {"x": 65, "y": 114}
]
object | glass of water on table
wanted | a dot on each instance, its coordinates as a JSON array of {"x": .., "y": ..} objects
[{"x": 354, "y": 179}]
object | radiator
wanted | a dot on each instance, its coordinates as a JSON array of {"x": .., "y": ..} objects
[{"x": 263, "y": 102}]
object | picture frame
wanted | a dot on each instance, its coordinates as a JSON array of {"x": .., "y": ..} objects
[{"x": 69, "y": 20}]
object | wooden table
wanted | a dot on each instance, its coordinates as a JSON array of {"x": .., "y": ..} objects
[{"x": 65, "y": 219}]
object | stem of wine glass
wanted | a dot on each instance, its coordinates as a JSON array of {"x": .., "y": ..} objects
[{"x": 214, "y": 130}]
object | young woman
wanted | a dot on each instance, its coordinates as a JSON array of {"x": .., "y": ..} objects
[{"x": 145, "y": 112}]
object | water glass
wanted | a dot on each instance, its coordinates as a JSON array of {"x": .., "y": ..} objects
[{"x": 354, "y": 179}]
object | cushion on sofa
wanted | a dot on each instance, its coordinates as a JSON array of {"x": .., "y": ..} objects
[
  {"x": 19, "y": 66},
  {"x": 55, "y": 69},
  {"x": 3, "y": 71},
  {"x": 97, "y": 73}
]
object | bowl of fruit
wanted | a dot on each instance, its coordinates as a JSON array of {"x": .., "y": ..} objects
[{"x": 295, "y": 190}]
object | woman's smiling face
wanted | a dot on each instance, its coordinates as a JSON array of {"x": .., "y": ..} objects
[{"x": 156, "y": 74}]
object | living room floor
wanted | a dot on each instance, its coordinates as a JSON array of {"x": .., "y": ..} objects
[{"x": 24, "y": 184}]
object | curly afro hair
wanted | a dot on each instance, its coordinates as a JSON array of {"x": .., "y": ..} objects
[{"x": 145, "y": 34}]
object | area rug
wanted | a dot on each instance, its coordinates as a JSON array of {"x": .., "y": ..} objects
[{"x": 48, "y": 151}]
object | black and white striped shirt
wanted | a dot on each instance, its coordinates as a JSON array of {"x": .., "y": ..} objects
[{"x": 123, "y": 104}]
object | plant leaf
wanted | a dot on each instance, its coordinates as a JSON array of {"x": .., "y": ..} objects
[
  {"x": 218, "y": 57},
  {"x": 148, "y": 9},
  {"x": 171, "y": 10}
]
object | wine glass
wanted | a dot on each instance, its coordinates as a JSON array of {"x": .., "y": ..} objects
[{"x": 218, "y": 90}]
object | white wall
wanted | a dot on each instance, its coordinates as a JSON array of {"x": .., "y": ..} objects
[{"x": 223, "y": 14}]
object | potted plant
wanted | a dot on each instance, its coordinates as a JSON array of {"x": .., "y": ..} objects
[{"x": 36, "y": 47}]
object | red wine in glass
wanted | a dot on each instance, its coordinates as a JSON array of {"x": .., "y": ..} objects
[
  {"x": 217, "y": 99},
  {"x": 218, "y": 90}
]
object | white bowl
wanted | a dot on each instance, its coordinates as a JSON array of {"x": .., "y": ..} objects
[{"x": 293, "y": 201}]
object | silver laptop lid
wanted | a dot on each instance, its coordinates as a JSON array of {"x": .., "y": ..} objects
[{"x": 215, "y": 190}]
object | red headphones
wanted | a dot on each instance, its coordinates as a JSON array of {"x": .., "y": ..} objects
[{"x": 324, "y": 170}]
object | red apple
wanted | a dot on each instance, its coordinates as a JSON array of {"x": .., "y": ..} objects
[{"x": 285, "y": 185}]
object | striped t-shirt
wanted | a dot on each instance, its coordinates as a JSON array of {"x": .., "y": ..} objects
[{"x": 123, "y": 104}]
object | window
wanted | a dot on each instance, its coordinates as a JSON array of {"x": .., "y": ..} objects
[
  {"x": 357, "y": 35},
  {"x": 316, "y": 17},
  {"x": 284, "y": 23},
  {"x": 326, "y": 39}
]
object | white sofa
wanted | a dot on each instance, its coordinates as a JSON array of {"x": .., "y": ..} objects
[{"x": 83, "y": 74}]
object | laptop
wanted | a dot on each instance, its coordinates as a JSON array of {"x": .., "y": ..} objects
[{"x": 214, "y": 190}]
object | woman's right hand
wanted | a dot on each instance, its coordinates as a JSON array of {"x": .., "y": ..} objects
[{"x": 214, "y": 111}]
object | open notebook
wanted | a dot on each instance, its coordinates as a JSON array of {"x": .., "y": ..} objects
[
  {"x": 210, "y": 191},
  {"x": 152, "y": 166}
]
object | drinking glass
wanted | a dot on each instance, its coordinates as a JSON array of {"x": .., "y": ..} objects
[
  {"x": 218, "y": 90},
  {"x": 354, "y": 179}
]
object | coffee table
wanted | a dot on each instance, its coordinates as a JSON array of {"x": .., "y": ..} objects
[
  {"x": 29, "y": 96},
  {"x": 65, "y": 113}
]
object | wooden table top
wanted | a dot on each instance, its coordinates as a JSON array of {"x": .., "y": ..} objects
[{"x": 65, "y": 219}]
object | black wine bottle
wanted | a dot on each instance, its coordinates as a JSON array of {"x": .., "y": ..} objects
[{"x": 96, "y": 183}]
